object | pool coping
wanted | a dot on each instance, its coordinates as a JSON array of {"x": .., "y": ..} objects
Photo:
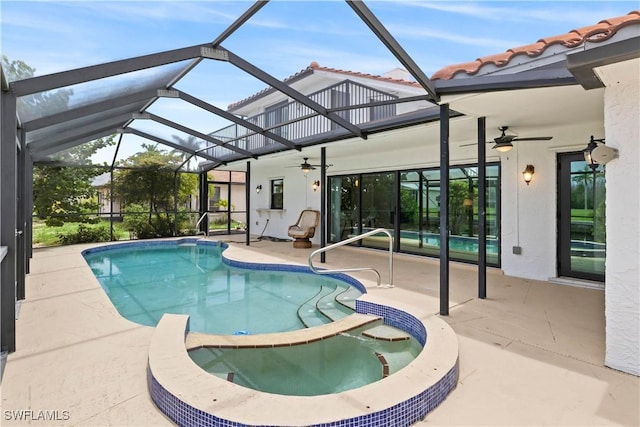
[{"x": 196, "y": 340}]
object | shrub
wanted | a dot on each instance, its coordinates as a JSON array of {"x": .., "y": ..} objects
[{"x": 86, "y": 234}]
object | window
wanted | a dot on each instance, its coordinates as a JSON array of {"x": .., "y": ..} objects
[
  {"x": 214, "y": 196},
  {"x": 277, "y": 193}
]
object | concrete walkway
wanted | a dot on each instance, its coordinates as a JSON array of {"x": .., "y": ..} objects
[{"x": 530, "y": 354}]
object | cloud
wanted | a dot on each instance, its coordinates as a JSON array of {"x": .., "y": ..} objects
[
  {"x": 427, "y": 35},
  {"x": 569, "y": 12}
]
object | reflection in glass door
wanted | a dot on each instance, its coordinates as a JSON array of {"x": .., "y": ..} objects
[
  {"x": 378, "y": 206},
  {"x": 345, "y": 207},
  {"x": 581, "y": 219}
]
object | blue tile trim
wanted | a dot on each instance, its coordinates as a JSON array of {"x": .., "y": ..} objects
[
  {"x": 396, "y": 318},
  {"x": 152, "y": 243},
  {"x": 293, "y": 268},
  {"x": 402, "y": 414}
]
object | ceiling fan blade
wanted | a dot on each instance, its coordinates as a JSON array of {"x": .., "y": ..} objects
[{"x": 534, "y": 138}]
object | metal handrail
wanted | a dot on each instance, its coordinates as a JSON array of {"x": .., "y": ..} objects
[
  {"x": 206, "y": 233},
  {"x": 351, "y": 240}
]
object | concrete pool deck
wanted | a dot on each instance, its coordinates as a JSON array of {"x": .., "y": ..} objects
[{"x": 530, "y": 354}]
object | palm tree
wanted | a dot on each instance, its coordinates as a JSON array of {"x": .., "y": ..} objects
[{"x": 190, "y": 143}]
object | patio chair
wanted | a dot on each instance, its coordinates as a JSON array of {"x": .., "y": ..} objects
[{"x": 304, "y": 229}]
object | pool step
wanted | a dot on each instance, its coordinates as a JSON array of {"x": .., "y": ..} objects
[
  {"x": 386, "y": 333},
  {"x": 308, "y": 312},
  {"x": 348, "y": 297},
  {"x": 330, "y": 307}
]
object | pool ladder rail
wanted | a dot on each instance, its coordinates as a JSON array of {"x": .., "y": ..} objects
[
  {"x": 206, "y": 233},
  {"x": 346, "y": 270}
]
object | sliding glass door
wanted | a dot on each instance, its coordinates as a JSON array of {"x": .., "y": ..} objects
[{"x": 407, "y": 203}]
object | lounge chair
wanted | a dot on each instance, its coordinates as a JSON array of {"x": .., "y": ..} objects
[{"x": 304, "y": 229}]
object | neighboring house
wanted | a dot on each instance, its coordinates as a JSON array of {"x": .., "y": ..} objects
[
  {"x": 568, "y": 225},
  {"x": 102, "y": 184}
]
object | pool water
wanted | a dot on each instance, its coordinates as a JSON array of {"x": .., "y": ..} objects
[
  {"x": 144, "y": 282},
  {"x": 331, "y": 365}
]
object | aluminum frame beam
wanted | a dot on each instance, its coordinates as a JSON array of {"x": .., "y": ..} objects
[
  {"x": 237, "y": 120},
  {"x": 105, "y": 128},
  {"x": 253, "y": 9},
  {"x": 192, "y": 132},
  {"x": 292, "y": 93},
  {"x": 394, "y": 47},
  {"x": 87, "y": 110},
  {"x": 109, "y": 69},
  {"x": 162, "y": 141}
]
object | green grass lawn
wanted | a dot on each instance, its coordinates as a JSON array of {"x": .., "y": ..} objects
[{"x": 49, "y": 236}]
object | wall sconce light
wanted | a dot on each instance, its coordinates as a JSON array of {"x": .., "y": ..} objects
[
  {"x": 315, "y": 185},
  {"x": 467, "y": 202},
  {"x": 258, "y": 188},
  {"x": 597, "y": 153},
  {"x": 527, "y": 173}
]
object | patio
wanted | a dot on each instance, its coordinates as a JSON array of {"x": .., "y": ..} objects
[{"x": 530, "y": 354}]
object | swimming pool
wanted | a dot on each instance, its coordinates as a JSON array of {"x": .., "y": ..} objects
[
  {"x": 146, "y": 281},
  {"x": 189, "y": 277},
  {"x": 188, "y": 395}
]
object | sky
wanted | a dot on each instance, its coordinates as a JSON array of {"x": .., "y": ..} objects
[{"x": 284, "y": 37}]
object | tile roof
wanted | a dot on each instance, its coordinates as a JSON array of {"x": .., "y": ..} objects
[
  {"x": 597, "y": 33},
  {"x": 314, "y": 66},
  {"x": 317, "y": 66}
]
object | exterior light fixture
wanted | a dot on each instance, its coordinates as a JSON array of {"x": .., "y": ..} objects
[
  {"x": 315, "y": 185},
  {"x": 597, "y": 153},
  {"x": 527, "y": 173},
  {"x": 258, "y": 188},
  {"x": 467, "y": 202}
]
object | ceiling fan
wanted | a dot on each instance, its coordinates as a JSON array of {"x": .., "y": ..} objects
[
  {"x": 504, "y": 142},
  {"x": 308, "y": 167}
]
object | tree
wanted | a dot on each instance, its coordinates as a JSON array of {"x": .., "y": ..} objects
[
  {"x": 191, "y": 143},
  {"x": 147, "y": 182},
  {"x": 37, "y": 104},
  {"x": 62, "y": 193}
]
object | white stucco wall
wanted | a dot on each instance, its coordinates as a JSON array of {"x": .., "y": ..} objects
[
  {"x": 622, "y": 284},
  {"x": 298, "y": 195},
  {"x": 529, "y": 213}
]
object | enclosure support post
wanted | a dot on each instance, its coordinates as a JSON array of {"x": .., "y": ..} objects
[
  {"x": 247, "y": 180},
  {"x": 203, "y": 183},
  {"x": 21, "y": 252},
  {"x": 111, "y": 193},
  {"x": 323, "y": 201},
  {"x": 8, "y": 183},
  {"x": 482, "y": 218},
  {"x": 28, "y": 210},
  {"x": 444, "y": 209},
  {"x": 175, "y": 203}
]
